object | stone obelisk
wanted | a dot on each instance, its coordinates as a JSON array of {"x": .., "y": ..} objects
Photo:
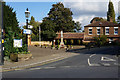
[{"x": 61, "y": 43}]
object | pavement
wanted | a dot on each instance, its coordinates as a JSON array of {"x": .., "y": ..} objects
[{"x": 40, "y": 57}]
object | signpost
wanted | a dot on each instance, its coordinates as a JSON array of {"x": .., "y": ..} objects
[
  {"x": 27, "y": 31},
  {"x": 17, "y": 43},
  {"x": 30, "y": 26}
]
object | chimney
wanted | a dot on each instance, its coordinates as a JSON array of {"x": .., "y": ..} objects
[{"x": 111, "y": 20}]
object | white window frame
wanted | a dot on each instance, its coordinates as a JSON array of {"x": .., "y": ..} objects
[
  {"x": 98, "y": 31},
  {"x": 114, "y": 30},
  {"x": 89, "y": 31},
  {"x": 105, "y": 30}
]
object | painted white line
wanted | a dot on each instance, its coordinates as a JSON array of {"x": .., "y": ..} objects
[
  {"x": 90, "y": 63},
  {"x": 49, "y": 67},
  {"x": 35, "y": 68},
  {"x": 92, "y": 55},
  {"x": 106, "y": 59},
  {"x": 33, "y": 63}
]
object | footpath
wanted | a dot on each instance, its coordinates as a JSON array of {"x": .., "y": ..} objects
[{"x": 40, "y": 56}]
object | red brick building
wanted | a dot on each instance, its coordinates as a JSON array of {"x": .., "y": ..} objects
[{"x": 97, "y": 28}]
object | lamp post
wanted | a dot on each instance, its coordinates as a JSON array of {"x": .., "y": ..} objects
[{"x": 27, "y": 14}]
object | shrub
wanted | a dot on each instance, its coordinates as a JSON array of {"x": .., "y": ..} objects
[
  {"x": 65, "y": 42},
  {"x": 71, "y": 41},
  {"x": 78, "y": 41}
]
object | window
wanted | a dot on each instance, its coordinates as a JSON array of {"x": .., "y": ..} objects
[
  {"x": 98, "y": 30},
  {"x": 107, "y": 30},
  {"x": 115, "y": 30},
  {"x": 90, "y": 31}
]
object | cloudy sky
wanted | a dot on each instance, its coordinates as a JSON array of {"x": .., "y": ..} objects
[{"x": 83, "y": 10}]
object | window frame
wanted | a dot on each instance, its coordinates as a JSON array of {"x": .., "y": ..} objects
[
  {"x": 98, "y": 31},
  {"x": 90, "y": 31},
  {"x": 114, "y": 30},
  {"x": 106, "y": 31}
]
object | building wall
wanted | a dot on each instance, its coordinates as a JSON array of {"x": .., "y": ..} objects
[{"x": 102, "y": 32}]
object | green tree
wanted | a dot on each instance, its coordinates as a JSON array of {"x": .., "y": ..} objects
[
  {"x": 100, "y": 40},
  {"x": 77, "y": 27},
  {"x": 59, "y": 18},
  {"x": 111, "y": 12},
  {"x": 118, "y": 19},
  {"x": 12, "y": 31},
  {"x": 35, "y": 29}
]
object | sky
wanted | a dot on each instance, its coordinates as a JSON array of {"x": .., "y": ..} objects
[{"x": 83, "y": 10}]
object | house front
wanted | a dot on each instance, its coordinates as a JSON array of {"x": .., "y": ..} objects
[{"x": 98, "y": 28}]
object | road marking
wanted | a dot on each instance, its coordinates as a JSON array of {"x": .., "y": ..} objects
[
  {"x": 49, "y": 67},
  {"x": 35, "y": 68},
  {"x": 90, "y": 63},
  {"x": 92, "y": 55},
  {"x": 106, "y": 59}
]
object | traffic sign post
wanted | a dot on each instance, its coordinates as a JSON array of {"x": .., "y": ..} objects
[{"x": 27, "y": 31}]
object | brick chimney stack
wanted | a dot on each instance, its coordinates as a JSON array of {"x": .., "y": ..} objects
[{"x": 111, "y": 20}]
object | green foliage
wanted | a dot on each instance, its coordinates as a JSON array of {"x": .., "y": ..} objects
[
  {"x": 111, "y": 12},
  {"x": 77, "y": 27},
  {"x": 78, "y": 41},
  {"x": 71, "y": 41},
  {"x": 48, "y": 35},
  {"x": 59, "y": 18},
  {"x": 101, "y": 40},
  {"x": 35, "y": 29},
  {"x": 65, "y": 42},
  {"x": 58, "y": 41},
  {"x": 12, "y": 31}
]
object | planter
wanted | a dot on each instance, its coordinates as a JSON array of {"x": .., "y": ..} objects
[
  {"x": 24, "y": 56},
  {"x": 14, "y": 57},
  {"x": 53, "y": 47}
]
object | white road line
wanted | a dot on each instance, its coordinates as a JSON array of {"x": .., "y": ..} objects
[
  {"x": 90, "y": 63},
  {"x": 35, "y": 68},
  {"x": 49, "y": 67},
  {"x": 106, "y": 59},
  {"x": 92, "y": 55}
]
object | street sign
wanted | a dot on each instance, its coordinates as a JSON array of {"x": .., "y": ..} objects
[
  {"x": 30, "y": 26},
  {"x": 27, "y": 31},
  {"x": 17, "y": 43}
]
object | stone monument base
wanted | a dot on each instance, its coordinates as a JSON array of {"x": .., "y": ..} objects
[{"x": 62, "y": 45}]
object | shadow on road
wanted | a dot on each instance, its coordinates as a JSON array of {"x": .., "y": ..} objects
[{"x": 109, "y": 50}]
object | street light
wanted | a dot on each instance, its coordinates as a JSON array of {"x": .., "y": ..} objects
[{"x": 27, "y": 14}]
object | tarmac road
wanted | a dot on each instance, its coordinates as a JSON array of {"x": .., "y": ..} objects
[{"x": 94, "y": 63}]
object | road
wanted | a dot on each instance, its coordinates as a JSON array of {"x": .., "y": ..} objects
[{"x": 94, "y": 63}]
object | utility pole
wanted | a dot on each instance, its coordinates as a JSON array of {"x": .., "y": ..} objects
[{"x": 39, "y": 35}]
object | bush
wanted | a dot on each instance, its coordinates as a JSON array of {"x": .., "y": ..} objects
[
  {"x": 65, "y": 42},
  {"x": 101, "y": 40}
]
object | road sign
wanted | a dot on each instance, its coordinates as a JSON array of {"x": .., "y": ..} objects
[
  {"x": 27, "y": 31},
  {"x": 17, "y": 43},
  {"x": 30, "y": 26}
]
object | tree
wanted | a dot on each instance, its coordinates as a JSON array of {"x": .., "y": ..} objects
[
  {"x": 77, "y": 26},
  {"x": 35, "y": 29},
  {"x": 100, "y": 40},
  {"x": 118, "y": 19},
  {"x": 111, "y": 12},
  {"x": 12, "y": 31},
  {"x": 59, "y": 18}
]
